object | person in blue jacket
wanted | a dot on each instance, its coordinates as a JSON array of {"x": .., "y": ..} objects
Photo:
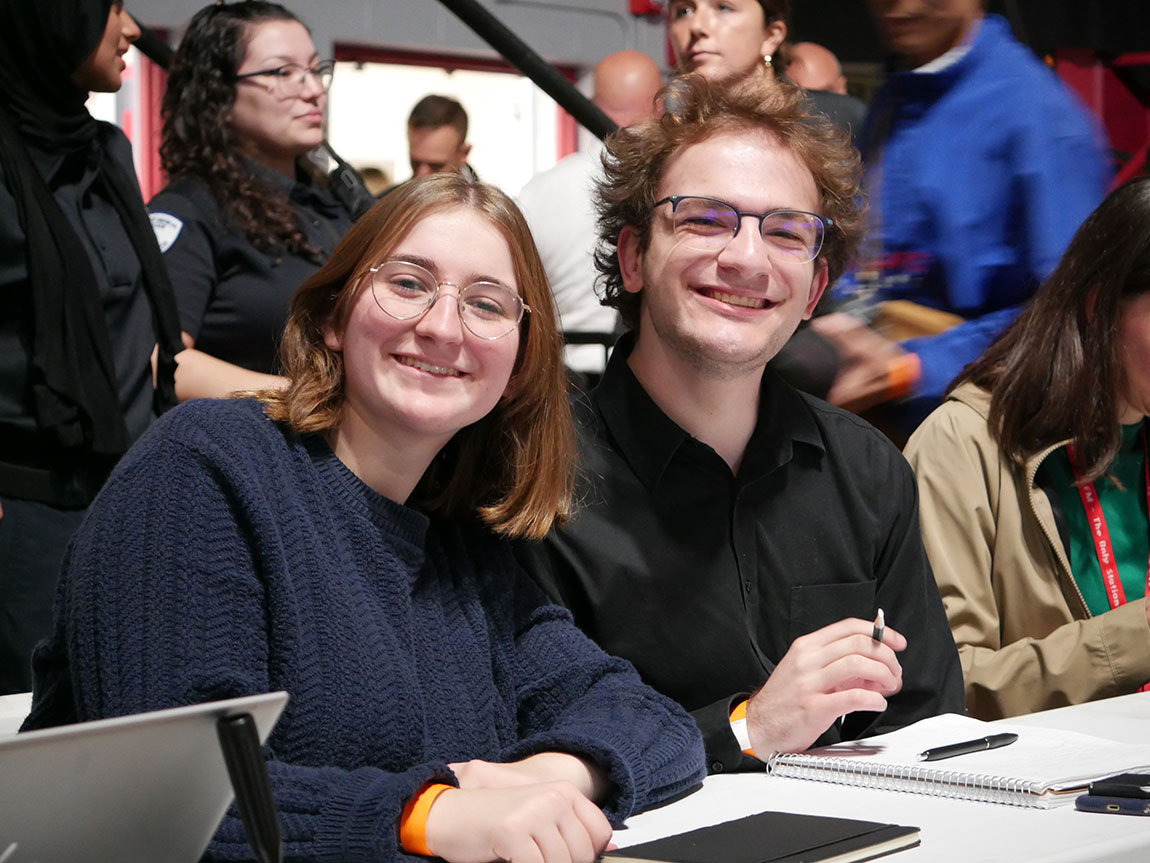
[
  {"x": 346, "y": 540},
  {"x": 980, "y": 166}
]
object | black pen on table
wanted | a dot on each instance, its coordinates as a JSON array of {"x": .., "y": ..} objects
[{"x": 994, "y": 741}]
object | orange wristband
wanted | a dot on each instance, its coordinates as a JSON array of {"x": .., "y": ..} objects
[
  {"x": 738, "y": 720},
  {"x": 902, "y": 373},
  {"x": 413, "y": 821}
]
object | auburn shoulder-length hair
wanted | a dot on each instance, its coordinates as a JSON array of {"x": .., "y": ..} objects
[
  {"x": 198, "y": 139},
  {"x": 1057, "y": 373},
  {"x": 515, "y": 467},
  {"x": 694, "y": 110}
]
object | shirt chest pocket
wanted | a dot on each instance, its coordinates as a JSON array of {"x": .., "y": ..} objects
[{"x": 814, "y": 606}]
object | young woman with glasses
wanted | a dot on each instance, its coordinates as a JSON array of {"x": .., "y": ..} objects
[
  {"x": 346, "y": 539},
  {"x": 1033, "y": 482},
  {"x": 84, "y": 299},
  {"x": 247, "y": 218}
]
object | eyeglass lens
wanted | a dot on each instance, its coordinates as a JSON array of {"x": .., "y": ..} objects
[
  {"x": 708, "y": 224},
  {"x": 291, "y": 78},
  {"x": 406, "y": 291}
]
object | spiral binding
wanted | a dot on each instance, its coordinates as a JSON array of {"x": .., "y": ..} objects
[{"x": 915, "y": 780}]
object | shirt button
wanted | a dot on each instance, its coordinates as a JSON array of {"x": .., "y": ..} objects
[
  {"x": 747, "y": 585},
  {"x": 717, "y": 767}
]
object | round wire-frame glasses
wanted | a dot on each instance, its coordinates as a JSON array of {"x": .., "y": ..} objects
[
  {"x": 404, "y": 290},
  {"x": 288, "y": 80},
  {"x": 708, "y": 224}
]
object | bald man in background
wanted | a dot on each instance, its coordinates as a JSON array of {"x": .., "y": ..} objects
[
  {"x": 816, "y": 69},
  {"x": 560, "y": 210}
]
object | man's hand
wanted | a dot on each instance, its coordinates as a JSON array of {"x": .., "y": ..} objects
[
  {"x": 864, "y": 379},
  {"x": 824, "y": 675},
  {"x": 544, "y": 767},
  {"x": 549, "y": 822}
]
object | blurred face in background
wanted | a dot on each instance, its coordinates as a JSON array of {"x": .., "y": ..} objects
[
  {"x": 922, "y": 30},
  {"x": 102, "y": 72},
  {"x": 436, "y": 150},
  {"x": 273, "y": 124},
  {"x": 721, "y": 39}
]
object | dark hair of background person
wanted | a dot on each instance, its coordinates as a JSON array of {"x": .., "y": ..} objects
[
  {"x": 695, "y": 110},
  {"x": 198, "y": 139},
  {"x": 514, "y": 467},
  {"x": 1057, "y": 371},
  {"x": 431, "y": 112}
]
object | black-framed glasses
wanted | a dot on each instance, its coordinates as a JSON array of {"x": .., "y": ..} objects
[
  {"x": 708, "y": 224},
  {"x": 404, "y": 290},
  {"x": 289, "y": 79}
]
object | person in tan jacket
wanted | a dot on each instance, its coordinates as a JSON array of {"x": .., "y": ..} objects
[{"x": 1033, "y": 483}]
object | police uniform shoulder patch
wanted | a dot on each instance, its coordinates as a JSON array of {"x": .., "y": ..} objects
[{"x": 167, "y": 228}]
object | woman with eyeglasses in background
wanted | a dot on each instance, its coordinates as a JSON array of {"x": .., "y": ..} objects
[
  {"x": 247, "y": 217},
  {"x": 345, "y": 540},
  {"x": 84, "y": 299}
]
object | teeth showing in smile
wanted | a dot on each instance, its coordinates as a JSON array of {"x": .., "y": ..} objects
[
  {"x": 428, "y": 367},
  {"x": 738, "y": 300}
]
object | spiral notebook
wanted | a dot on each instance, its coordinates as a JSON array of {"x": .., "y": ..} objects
[{"x": 1043, "y": 768}]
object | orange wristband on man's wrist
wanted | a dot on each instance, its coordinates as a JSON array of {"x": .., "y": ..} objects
[
  {"x": 902, "y": 373},
  {"x": 413, "y": 820},
  {"x": 738, "y": 720}
]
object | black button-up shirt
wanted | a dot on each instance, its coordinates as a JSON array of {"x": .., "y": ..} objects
[{"x": 703, "y": 579}]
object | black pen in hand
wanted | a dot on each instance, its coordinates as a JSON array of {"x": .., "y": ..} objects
[{"x": 994, "y": 741}]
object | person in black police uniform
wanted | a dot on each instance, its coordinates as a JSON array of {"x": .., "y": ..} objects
[
  {"x": 84, "y": 299},
  {"x": 737, "y": 537},
  {"x": 247, "y": 218}
]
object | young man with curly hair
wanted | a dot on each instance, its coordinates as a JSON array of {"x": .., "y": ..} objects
[{"x": 737, "y": 537}]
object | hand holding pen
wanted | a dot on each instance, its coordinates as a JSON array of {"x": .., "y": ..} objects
[{"x": 839, "y": 669}]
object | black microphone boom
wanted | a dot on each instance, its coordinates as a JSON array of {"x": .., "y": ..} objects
[{"x": 520, "y": 55}]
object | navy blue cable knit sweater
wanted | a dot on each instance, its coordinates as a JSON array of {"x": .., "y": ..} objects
[{"x": 227, "y": 556}]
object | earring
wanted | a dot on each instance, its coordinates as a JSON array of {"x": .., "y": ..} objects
[{"x": 767, "y": 60}]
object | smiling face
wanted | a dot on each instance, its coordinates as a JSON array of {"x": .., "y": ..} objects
[
  {"x": 102, "y": 72},
  {"x": 421, "y": 380},
  {"x": 721, "y": 39},
  {"x": 274, "y": 130},
  {"x": 722, "y": 314}
]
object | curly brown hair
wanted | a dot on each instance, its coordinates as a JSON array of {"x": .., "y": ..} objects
[
  {"x": 694, "y": 110},
  {"x": 198, "y": 139},
  {"x": 514, "y": 467}
]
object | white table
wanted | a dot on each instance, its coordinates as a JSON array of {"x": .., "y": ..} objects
[{"x": 952, "y": 830}]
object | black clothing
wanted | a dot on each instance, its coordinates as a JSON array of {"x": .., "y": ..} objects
[
  {"x": 84, "y": 299},
  {"x": 703, "y": 579},
  {"x": 844, "y": 111},
  {"x": 234, "y": 298}
]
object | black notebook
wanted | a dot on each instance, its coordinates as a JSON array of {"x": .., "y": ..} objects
[{"x": 774, "y": 837}]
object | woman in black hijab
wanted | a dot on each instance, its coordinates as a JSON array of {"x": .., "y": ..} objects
[{"x": 84, "y": 299}]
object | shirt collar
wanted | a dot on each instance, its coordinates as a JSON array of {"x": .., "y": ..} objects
[{"x": 648, "y": 439}]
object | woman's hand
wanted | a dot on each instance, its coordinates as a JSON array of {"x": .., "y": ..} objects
[
  {"x": 544, "y": 767},
  {"x": 550, "y": 822}
]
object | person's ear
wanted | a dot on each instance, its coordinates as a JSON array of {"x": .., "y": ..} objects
[
  {"x": 332, "y": 337},
  {"x": 773, "y": 36},
  {"x": 818, "y": 286},
  {"x": 630, "y": 260},
  {"x": 464, "y": 152}
]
